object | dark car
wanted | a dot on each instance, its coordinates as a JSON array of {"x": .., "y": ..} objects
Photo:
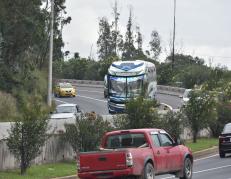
[{"x": 225, "y": 141}]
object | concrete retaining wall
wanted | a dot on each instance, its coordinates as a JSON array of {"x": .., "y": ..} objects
[{"x": 53, "y": 151}]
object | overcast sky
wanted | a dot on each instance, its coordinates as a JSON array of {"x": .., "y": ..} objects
[{"x": 203, "y": 27}]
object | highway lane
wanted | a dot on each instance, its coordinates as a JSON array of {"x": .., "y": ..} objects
[
  {"x": 212, "y": 167},
  {"x": 173, "y": 101},
  {"x": 92, "y": 99}
]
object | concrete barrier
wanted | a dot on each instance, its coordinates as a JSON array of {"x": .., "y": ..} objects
[{"x": 168, "y": 90}]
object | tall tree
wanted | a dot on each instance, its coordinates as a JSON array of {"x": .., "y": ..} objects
[
  {"x": 104, "y": 42},
  {"x": 24, "y": 27},
  {"x": 129, "y": 48},
  {"x": 115, "y": 32},
  {"x": 139, "y": 40},
  {"x": 155, "y": 46}
]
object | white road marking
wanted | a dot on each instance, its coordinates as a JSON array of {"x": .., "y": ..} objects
[
  {"x": 168, "y": 177},
  {"x": 205, "y": 158},
  {"x": 92, "y": 98},
  {"x": 83, "y": 97},
  {"x": 207, "y": 170},
  {"x": 61, "y": 101},
  {"x": 90, "y": 91}
]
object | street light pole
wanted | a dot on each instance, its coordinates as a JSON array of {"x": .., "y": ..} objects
[
  {"x": 49, "y": 96},
  {"x": 174, "y": 32}
]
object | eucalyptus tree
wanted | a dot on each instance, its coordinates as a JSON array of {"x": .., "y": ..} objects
[
  {"x": 128, "y": 47},
  {"x": 155, "y": 44},
  {"x": 104, "y": 42}
]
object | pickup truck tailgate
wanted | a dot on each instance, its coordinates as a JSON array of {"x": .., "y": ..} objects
[{"x": 98, "y": 161}]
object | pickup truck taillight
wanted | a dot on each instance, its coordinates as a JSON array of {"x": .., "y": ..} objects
[{"x": 129, "y": 159}]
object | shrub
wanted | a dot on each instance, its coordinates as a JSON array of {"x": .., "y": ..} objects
[
  {"x": 28, "y": 134},
  {"x": 140, "y": 113},
  {"x": 173, "y": 123},
  {"x": 86, "y": 133},
  {"x": 8, "y": 108}
]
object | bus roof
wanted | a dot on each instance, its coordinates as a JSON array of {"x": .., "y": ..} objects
[{"x": 129, "y": 68}]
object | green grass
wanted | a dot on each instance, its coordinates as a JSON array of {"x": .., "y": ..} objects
[
  {"x": 202, "y": 143},
  {"x": 42, "y": 171}
]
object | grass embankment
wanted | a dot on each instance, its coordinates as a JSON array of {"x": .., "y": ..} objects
[
  {"x": 63, "y": 169},
  {"x": 45, "y": 171},
  {"x": 202, "y": 144}
]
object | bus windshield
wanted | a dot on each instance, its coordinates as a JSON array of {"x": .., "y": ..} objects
[{"x": 125, "y": 86}]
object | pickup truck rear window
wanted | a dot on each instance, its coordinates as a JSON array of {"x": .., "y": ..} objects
[{"x": 125, "y": 141}]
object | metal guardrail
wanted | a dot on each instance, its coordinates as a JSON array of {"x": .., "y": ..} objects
[{"x": 169, "y": 90}]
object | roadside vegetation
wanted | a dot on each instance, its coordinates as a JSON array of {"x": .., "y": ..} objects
[
  {"x": 45, "y": 171},
  {"x": 201, "y": 144}
]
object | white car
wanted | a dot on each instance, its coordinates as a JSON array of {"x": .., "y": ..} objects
[
  {"x": 186, "y": 96},
  {"x": 64, "y": 114},
  {"x": 66, "y": 111}
]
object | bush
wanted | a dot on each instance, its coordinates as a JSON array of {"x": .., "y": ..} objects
[
  {"x": 8, "y": 108},
  {"x": 140, "y": 113},
  {"x": 86, "y": 133},
  {"x": 173, "y": 123},
  {"x": 28, "y": 134}
]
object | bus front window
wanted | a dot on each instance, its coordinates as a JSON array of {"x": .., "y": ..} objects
[
  {"x": 117, "y": 86},
  {"x": 134, "y": 86}
]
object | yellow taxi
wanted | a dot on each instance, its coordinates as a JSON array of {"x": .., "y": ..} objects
[{"x": 64, "y": 89}]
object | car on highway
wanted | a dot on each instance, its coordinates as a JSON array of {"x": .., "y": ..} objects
[
  {"x": 225, "y": 141},
  {"x": 66, "y": 111},
  {"x": 64, "y": 89},
  {"x": 186, "y": 95},
  {"x": 136, "y": 153}
]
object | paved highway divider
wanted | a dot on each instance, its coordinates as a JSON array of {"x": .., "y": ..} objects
[{"x": 161, "y": 89}]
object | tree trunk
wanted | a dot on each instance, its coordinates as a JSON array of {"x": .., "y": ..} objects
[
  {"x": 23, "y": 162},
  {"x": 194, "y": 137}
]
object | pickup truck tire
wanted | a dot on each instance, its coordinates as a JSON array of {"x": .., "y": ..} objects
[
  {"x": 149, "y": 172},
  {"x": 187, "y": 170}
]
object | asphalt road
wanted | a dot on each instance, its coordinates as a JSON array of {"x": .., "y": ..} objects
[
  {"x": 91, "y": 99},
  {"x": 212, "y": 167}
]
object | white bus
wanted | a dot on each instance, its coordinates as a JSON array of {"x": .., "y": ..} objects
[{"x": 128, "y": 79}]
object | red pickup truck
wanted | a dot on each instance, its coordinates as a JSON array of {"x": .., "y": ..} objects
[{"x": 136, "y": 153}]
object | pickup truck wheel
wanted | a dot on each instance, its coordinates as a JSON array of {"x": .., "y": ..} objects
[
  {"x": 187, "y": 170},
  {"x": 148, "y": 171}
]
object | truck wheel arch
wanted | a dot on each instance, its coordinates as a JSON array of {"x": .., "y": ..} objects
[{"x": 149, "y": 160}]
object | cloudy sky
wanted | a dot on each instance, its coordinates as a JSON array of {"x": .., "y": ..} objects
[{"x": 203, "y": 27}]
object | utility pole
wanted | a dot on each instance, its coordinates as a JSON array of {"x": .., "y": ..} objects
[
  {"x": 49, "y": 95},
  {"x": 174, "y": 32}
]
